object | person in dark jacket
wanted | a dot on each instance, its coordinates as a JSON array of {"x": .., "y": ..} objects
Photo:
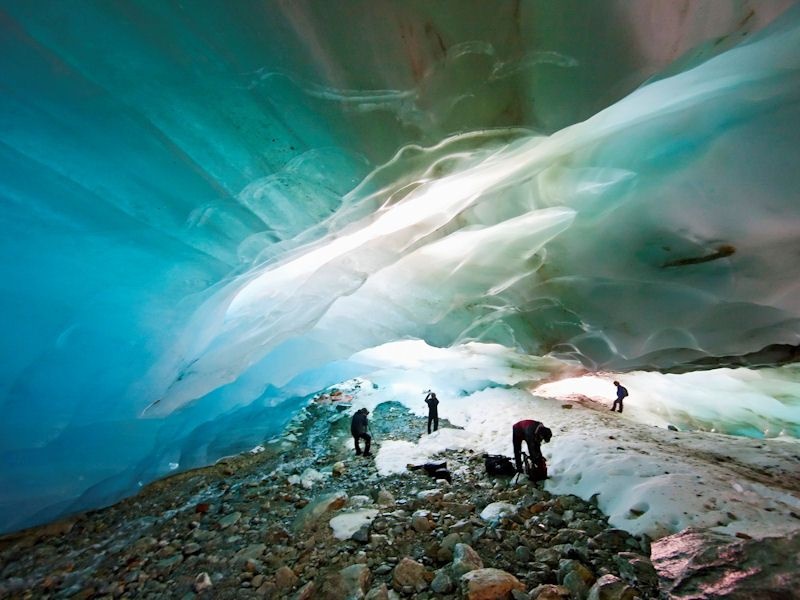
[
  {"x": 433, "y": 411},
  {"x": 622, "y": 392},
  {"x": 359, "y": 427},
  {"x": 533, "y": 433}
]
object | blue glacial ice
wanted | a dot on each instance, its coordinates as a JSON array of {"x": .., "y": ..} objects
[{"x": 207, "y": 209}]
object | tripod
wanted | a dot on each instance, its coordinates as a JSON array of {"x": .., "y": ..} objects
[{"x": 527, "y": 467}]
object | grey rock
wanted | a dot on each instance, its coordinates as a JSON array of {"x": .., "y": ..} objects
[
  {"x": 576, "y": 577},
  {"x": 191, "y": 548},
  {"x": 522, "y": 554},
  {"x": 318, "y": 507},
  {"x": 576, "y": 585},
  {"x": 229, "y": 520},
  {"x": 547, "y": 555},
  {"x": 251, "y": 552},
  {"x": 611, "y": 587},
  {"x": 613, "y": 540},
  {"x": 356, "y": 580},
  {"x": 442, "y": 582},
  {"x": 167, "y": 564},
  {"x": 421, "y": 521},
  {"x": 568, "y": 536},
  {"x": 385, "y": 498},
  {"x": 380, "y": 592},
  {"x": 637, "y": 570},
  {"x": 465, "y": 559},
  {"x": 459, "y": 510},
  {"x": 362, "y": 534},
  {"x": 429, "y": 497}
]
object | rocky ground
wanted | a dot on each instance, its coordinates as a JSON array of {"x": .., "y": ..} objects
[{"x": 262, "y": 525}]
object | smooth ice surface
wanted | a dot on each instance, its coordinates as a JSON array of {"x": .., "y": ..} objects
[{"x": 210, "y": 210}]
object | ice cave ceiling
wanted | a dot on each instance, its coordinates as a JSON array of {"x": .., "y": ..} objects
[{"x": 204, "y": 202}]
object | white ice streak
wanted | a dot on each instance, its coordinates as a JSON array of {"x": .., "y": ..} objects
[{"x": 396, "y": 273}]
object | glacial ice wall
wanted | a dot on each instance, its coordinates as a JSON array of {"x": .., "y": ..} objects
[{"x": 207, "y": 208}]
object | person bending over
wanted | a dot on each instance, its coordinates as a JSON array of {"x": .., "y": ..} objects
[
  {"x": 533, "y": 433},
  {"x": 359, "y": 426}
]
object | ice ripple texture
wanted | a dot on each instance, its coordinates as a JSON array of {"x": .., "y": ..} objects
[{"x": 207, "y": 212}]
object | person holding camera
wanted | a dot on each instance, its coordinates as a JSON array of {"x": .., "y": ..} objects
[{"x": 433, "y": 411}]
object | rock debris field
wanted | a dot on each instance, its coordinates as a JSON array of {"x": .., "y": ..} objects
[{"x": 304, "y": 518}]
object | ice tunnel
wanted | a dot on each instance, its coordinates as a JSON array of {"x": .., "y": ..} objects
[{"x": 211, "y": 210}]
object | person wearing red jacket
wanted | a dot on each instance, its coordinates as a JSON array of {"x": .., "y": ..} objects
[{"x": 533, "y": 433}]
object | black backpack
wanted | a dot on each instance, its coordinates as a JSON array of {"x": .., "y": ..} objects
[{"x": 497, "y": 464}]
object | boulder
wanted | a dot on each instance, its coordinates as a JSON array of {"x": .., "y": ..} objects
[
  {"x": 421, "y": 521},
  {"x": 611, "y": 587},
  {"x": 380, "y": 592},
  {"x": 637, "y": 570},
  {"x": 331, "y": 587},
  {"x": 306, "y": 592},
  {"x": 576, "y": 577},
  {"x": 695, "y": 560},
  {"x": 550, "y": 592},
  {"x": 317, "y": 508},
  {"x": 285, "y": 578},
  {"x": 385, "y": 498},
  {"x": 410, "y": 573},
  {"x": 356, "y": 580},
  {"x": 465, "y": 559},
  {"x": 252, "y": 551},
  {"x": 429, "y": 497},
  {"x": 443, "y": 582},
  {"x": 489, "y": 584},
  {"x": 229, "y": 520},
  {"x": 459, "y": 510},
  {"x": 614, "y": 540}
]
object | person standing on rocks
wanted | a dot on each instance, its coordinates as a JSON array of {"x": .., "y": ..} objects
[
  {"x": 533, "y": 433},
  {"x": 359, "y": 426},
  {"x": 433, "y": 411},
  {"x": 622, "y": 392}
]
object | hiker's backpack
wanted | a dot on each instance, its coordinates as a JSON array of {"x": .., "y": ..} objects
[
  {"x": 497, "y": 464},
  {"x": 537, "y": 469}
]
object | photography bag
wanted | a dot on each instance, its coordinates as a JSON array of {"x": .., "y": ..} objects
[
  {"x": 537, "y": 469},
  {"x": 498, "y": 465}
]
